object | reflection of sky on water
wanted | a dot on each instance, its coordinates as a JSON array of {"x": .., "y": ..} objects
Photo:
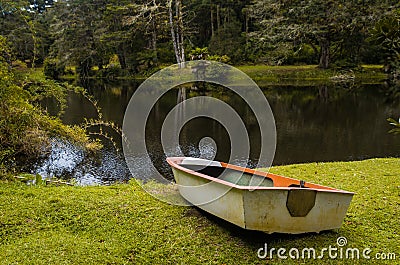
[
  {"x": 67, "y": 161},
  {"x": 64, "y": 157},
  {"x": 314, "y": 124}
]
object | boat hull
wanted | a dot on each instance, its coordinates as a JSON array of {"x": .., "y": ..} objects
[{"x": 267, "y": 209}]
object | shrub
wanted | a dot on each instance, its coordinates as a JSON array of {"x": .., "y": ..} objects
[
  {"x": 304, "y": 54},
  {"x": 25, "y": 127},
  {"x": 52, "y": 68}
]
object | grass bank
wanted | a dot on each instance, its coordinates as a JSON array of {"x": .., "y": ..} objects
[
  {"x": 292, "y": 74},
  {"x": 121, "y": 224},
  {"x": 288, "y": 74}
]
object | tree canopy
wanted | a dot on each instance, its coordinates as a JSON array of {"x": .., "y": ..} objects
[{"x": 137, "y": 36}]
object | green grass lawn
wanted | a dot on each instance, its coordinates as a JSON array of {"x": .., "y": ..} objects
[
  {"x": 292, "y": 74},
  {"x": 121, "y": 224}
]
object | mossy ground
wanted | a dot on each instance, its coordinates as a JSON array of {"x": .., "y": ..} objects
[
  {"x": 121, "y": 224},
  {"x": 311, "y": 74}
]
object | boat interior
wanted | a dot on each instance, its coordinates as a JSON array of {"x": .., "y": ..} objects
[
  {"x": 231, "y": 175},
  {"x": 243, "y": 176}
]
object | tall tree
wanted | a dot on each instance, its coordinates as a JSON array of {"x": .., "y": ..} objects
[
  {"x": 175, "y": 12},
  {"x": 23, "y": 23},
  {"x": 76, "y": 25},
  {"x": 386, "y": 34},
  {"x": 147, "y": 19},
  {"x": 230, "y": 22},
  {"x": 325, "y": 25},
  {"x": 119, "y": 36}
]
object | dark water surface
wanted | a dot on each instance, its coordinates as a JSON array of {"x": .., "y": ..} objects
[{"x": 335, "y": 122}]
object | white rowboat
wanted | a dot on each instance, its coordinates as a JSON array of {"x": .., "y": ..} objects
[{"x": 257, "y": 200}]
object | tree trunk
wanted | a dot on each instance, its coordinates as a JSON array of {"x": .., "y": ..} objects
[
  {"x": 177, "y": 31},
  {"x": 180, "y": 31},
  {"x": 171, "y": 24},
  {"x": 212, "y": 20},
  {"x": 177, "y": 40},
  {"x": 315, "y": 49},
  {"x": 154, "y": 36},
  {"x": 121, "y": 58},
  {"x": 324, "y": 58},
  {"x": 154, "y": 29},
  {"x": 247, "y": 25},
  {"x": 154, "y": 40},
  {"x": 218, "y": 18},
  {"x": 226, "y": 17},
  {"x": 84, "y": 69}
]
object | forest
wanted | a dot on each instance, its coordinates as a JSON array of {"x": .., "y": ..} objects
[{"x": 121, "y": 37}]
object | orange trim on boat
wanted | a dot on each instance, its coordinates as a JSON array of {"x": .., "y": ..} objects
[{"x": 280, "y": 182}]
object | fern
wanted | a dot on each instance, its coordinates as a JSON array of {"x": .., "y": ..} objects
[{"x": 396, "y": 124}]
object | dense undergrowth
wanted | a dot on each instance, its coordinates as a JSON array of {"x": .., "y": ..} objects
[{"x": 25, "y": 126}]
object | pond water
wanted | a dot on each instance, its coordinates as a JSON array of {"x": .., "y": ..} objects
[{"x": 333, "y": 122}]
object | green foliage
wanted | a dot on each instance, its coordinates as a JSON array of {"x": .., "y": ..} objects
[
  {"x": 52, "y": 68},
  {"x": 114, "y": 61},
  {"x": 218, "y": 58},
  {"x": 304, "y": 54},
  {"x": 76, "y": 26},
  {"x": 229, "y": 41},
  {"x": 336, "y": 29},
  {"x": 27, "y": 30},
  {"x": 112, "y": 70},
  {"x": 386, "y": 34},
  {"x": 146, "y": 60},
  {"x": 396, "y": 124},
  {"x": 6, "y": 55},
  {"x": 26, "y": 128},
  {"x": 111, "y": 73},
  {"x": 86, "y": 34},
  {"x": 199, "y": 53},
  {"x": 165, "y": 54}
]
